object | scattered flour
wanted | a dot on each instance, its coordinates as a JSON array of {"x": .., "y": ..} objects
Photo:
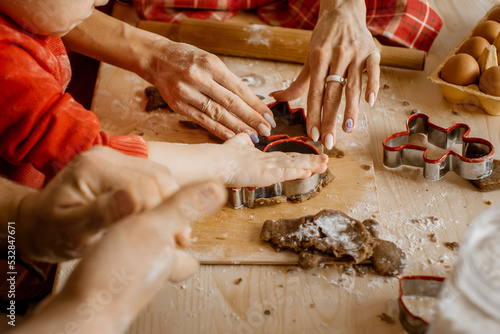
[{"x": 259, "y": 34}]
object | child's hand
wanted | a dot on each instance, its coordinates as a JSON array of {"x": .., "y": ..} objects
[
  {"x": 236, "y": 163},
  {"x": 246, "y": 166},
  {"x": 97, "y": 189}
]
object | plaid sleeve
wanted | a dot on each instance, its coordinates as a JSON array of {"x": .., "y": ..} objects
[{"x": 408, "y": 23}]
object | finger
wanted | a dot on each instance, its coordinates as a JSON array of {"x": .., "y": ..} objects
[
  {"x": 184, "y": 266},
  {"x": 331, "y": 104},
  {"x": 220, "y": 114},
  {"x": 147, "y": 182},
  {"x": 189, "y": 204},
  {"x": 310, "y": 162},
  {"x": 234, "y": 104},
  {"x": 206, "y": 122},
  {"x": 183, "y": 237},
  {"x": 333, "y": 96},
  {"x": 352, "y": 94},
  {"x": 319, "y": 70},
  {"x": 372, "y": 65},
  {"x": 99, "y": 214},
  {"x": 296, "y": 89},
  {"x": 241, "y": 138},
  {"x": 229, "y": 80}
]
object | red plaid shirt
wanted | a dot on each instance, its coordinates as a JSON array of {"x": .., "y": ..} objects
[{"x": 409, "y": 23}]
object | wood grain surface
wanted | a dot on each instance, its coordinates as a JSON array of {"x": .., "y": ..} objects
[{"x": 286, "y": 299}]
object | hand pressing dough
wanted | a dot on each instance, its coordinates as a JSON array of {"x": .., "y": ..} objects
[{"x": 331, "y": 236}]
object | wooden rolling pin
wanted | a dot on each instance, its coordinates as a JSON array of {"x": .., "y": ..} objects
[{"x": 264, "y": 42}]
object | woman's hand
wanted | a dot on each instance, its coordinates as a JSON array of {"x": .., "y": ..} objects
[
  {"x": 193, "y": 82},
  {"x": 198, "y": 85},
  {"x": 341, "y": 45}
]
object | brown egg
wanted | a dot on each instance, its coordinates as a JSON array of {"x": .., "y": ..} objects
[
  {"x": 494, "y": 15},
  {"x": 487, "y": 29},
  {"x": 461, "y": 69},
  {"x": 474, "y": 46},
  {"x": 489, "y": 82}
]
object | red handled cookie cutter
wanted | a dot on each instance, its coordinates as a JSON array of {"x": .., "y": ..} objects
[
  {"x": 239, "y": 197},
  {"x": 475, "y": 162}
]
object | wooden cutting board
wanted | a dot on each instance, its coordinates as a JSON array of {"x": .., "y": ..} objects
[{"x": 231, "y": 236}]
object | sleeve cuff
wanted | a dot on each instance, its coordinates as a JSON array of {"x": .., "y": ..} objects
[{"x": 131, "y": 145}]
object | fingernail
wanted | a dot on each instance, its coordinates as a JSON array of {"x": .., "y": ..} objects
[
  {"x": 272, "y": 93},
  {"x": 315, "y": 133},
  {"x": 253, "y": 136},
  {"x": 187, "y": 232},
  {"x": 371, "y": 99},
  {"x": 329, "y": 141},
  {"x": 228, "y": 135},
  {"x": 270, "y": 119},
  {"x": 348, "y": 125},
  {"x": 263, "y": 130}
]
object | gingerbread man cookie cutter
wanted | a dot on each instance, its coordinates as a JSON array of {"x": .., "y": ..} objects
[
  {"x": 288, "y": 190},
  {"x": 475, "y": 162}
]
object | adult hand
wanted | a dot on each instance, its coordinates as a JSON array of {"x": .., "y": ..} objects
[
  {"x": 198, "y": 85},
  {"x": 120, "y": 274},
  {"x": 341, "y": 45},
  {"x": 97, "y": 189},
  {"x": 193, "y": 82}
]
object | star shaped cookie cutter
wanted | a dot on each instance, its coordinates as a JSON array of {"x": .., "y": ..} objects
[
  {"x": 293, "y": 190},
  {"x": 475, "y": 162}
]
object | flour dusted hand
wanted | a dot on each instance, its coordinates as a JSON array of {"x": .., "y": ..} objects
[{"x": 198, "y": 85}]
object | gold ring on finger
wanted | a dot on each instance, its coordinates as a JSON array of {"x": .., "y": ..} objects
[{"x": 205, "y": 105}]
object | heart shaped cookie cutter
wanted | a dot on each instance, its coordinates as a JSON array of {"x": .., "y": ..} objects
[
  {"x": 294, "y": 190},
  {"x": 475, "y": 162}
]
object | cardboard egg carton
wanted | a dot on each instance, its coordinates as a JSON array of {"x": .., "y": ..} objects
[{"x": 470, "y": 94}]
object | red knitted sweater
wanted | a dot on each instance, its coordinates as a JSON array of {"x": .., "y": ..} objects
[{"x": 41, "y": 127}]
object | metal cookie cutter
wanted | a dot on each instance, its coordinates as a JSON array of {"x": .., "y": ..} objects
[
  {"x": 281, "y": 191},
  {"x": 291, "y": 121},
  {"x": 475, "y": 162},
  {"x": 416, "y": 286}
]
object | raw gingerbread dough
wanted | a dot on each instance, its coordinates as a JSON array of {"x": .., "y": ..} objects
[
  {"x": 388, "y": 259},
  {"x": 331, "y": 232},
  {"x": 331, "y": 236},
  {"x": 155, "y": 100}
]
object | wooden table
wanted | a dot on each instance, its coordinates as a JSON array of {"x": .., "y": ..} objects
[{"x": 286, "y": 299}]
